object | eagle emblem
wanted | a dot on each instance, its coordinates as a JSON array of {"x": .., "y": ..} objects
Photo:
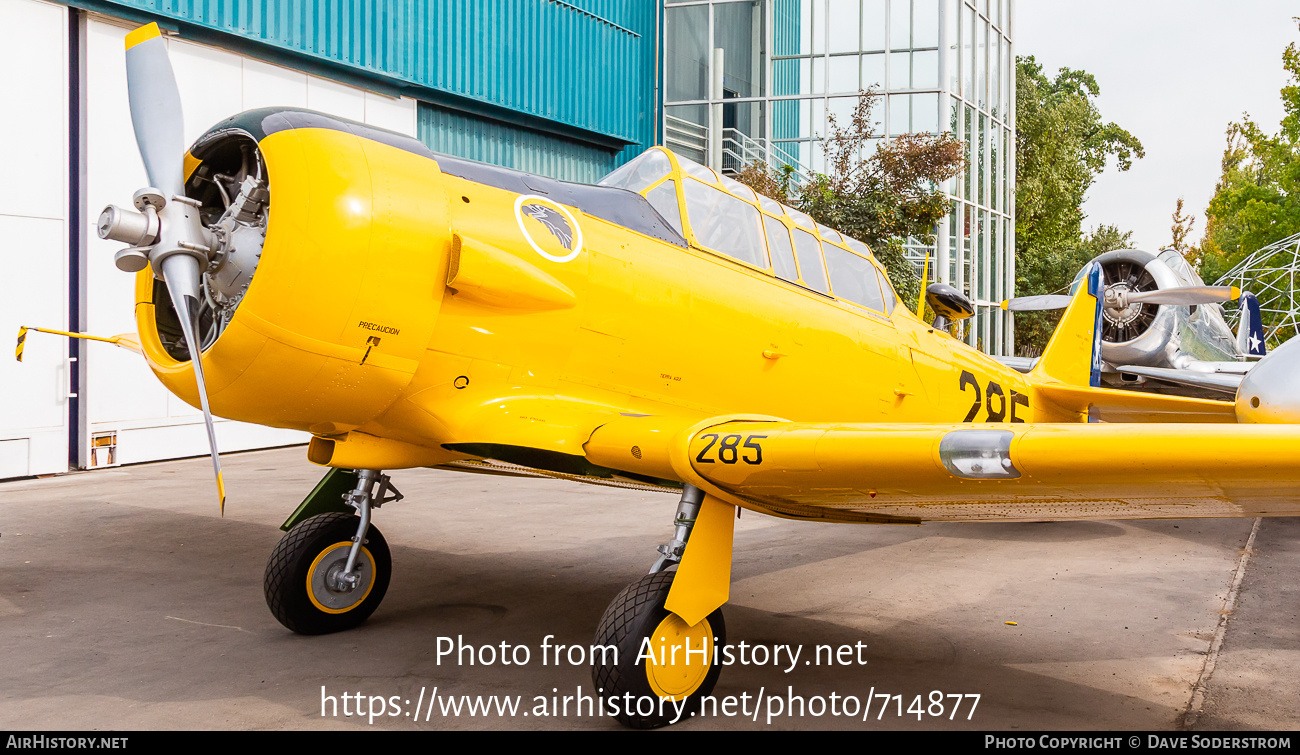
[{"x": 554, "y": 222}]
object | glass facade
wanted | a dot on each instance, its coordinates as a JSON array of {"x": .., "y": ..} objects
[{"x": 757, "y": 79}]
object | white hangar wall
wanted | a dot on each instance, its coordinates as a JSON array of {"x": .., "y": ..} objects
[
  {"x": 34, "y": 236},
  {"x": 120, "y": 401}
]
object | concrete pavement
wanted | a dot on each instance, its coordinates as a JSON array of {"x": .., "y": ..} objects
[{"x": 128, "y": 603}]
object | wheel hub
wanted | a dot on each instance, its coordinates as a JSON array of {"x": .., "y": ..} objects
[
  {"x": 327, "y": 586},
  {"x": 680, "y": 674}
]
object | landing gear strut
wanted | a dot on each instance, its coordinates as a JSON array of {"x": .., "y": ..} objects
[
  {"x": 330, "y": 572},
  {"x": 660, "y": 656}
]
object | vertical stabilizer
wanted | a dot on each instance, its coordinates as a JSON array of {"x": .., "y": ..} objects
[
  {"x": 1250, "y": 327},
  {"x": 1073, "y": 356}
]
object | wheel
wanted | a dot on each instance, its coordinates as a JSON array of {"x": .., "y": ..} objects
[
  {"x": 637, "y": 614},
  {"x": 301, "y": 586}
]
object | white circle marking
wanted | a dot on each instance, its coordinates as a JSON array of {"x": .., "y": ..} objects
[{"x": 577, "y": 229}]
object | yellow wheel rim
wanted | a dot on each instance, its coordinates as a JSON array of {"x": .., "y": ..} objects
[
  {"x": 335, "y": 556},
  {"x": 672, "y": 672}
]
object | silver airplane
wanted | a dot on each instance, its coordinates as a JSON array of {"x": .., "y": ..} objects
[{"x": 1162, "y": 328}]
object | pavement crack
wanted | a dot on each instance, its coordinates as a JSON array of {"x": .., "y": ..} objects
[
  {"x": 1197, "y": 702},
  {"x": 205, "y": 624}
]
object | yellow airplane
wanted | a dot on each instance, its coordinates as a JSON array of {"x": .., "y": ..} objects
[{"x": 668, "y": 329}]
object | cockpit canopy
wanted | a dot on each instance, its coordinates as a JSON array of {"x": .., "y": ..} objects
[{"x": 723, "y": 216}]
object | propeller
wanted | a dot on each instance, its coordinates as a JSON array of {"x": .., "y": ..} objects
[
  {"x": 1185, "y": 296},
  {"x": 155, "y": 109},
  {"x": 167, "y": 233},
  {"x": 1036, "y": 303},
  {"x": 1119, "y": 298}
]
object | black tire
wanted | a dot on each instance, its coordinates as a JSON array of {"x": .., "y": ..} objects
[
  {"x": 288, "y": 591},
  {"x": 634, "y": 614}
]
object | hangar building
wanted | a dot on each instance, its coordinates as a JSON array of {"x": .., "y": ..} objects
[
  {"x": 564, "y": 88},
  {"x": 747, "y": 78}
]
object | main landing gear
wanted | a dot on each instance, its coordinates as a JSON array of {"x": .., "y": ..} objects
[
  {"x": 662, "y": 656},
  {"x": 330, "y": 572}
]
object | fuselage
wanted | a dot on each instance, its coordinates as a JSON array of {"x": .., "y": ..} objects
[{"x": 422, "y": 301}]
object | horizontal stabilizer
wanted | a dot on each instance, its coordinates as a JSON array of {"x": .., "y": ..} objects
[
  {"x": 1109, "y": 405},
  {"x": 1212, "y": 381},
  {"x": 1019, "y": 364}
]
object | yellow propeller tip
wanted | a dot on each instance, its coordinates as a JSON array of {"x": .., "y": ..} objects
[
  {"x": 143, "y": 34},
  {"x": 1005, "y": 303}
]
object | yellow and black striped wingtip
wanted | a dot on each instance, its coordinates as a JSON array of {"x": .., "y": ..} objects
[
  {"x": 22, "y": 338},
  {"x": 221, "y": 491}
]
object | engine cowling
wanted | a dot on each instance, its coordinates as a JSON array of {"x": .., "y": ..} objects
[
  {"x": 1140, "y": 333},
  {"x": 1270, "y": 392}
]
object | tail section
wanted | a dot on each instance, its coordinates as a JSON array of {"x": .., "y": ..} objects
[
  {"x": 1068, "y": 375},
  {"x": 1250, "y": 328},
  {"x": 1073, "y": 356}
]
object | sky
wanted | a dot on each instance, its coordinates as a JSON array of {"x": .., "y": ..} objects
[{"x": 1174, "y": 73}]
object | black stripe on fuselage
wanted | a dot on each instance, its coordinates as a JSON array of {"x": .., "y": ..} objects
[{"x": 618, "y": 206}]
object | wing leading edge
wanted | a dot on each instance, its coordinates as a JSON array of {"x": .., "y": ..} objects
[{"x": 1027, "y": 472}]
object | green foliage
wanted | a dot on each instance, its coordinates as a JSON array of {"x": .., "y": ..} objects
[
  {"x": 882, "y": 199},
  {"x": 1062, "y": 145},
  {"x": 1181, "y": 230},
  {"x": 1257, "y": 200}
]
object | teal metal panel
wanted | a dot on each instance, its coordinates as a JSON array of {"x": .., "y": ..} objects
[
  {"x": 786, "y": 29},
  {"x": 463, "y": 135},
  {"x": 586, "y": 65}
]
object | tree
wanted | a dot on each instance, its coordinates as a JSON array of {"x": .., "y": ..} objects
[
  {"x": 1062, "y": 145},
  {"x": 1257, "y": 199},
  {"x": 883, "y": 199},
  {"x": 1182, "y": 228}
]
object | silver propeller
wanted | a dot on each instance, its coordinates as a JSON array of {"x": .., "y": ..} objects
[
  {"x": 181, "y": 273},
  {"x": 167, "y": 234},
  {"x": 1185, "y": 296},
  {"x": 155, "y": 109},
  {"x": 1036, "y": 303}
]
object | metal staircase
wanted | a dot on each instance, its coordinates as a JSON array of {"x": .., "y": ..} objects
[{"x": 691, "y": 140}]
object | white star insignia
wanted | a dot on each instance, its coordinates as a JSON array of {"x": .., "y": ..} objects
[{"x": 1254, "y": 343}]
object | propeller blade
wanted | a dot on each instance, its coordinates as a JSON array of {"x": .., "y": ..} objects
[
  {"x": 1036, "y": 303},
  {"x": 1187, "y": 295},
  {"x": 182, "y": 276},
  {"x": 155, "y": 109}
]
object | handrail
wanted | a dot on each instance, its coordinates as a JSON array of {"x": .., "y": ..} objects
[{"x": 740, "y": 149}]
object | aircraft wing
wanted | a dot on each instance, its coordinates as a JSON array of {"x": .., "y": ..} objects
[{"x": 909, "y": 474}]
